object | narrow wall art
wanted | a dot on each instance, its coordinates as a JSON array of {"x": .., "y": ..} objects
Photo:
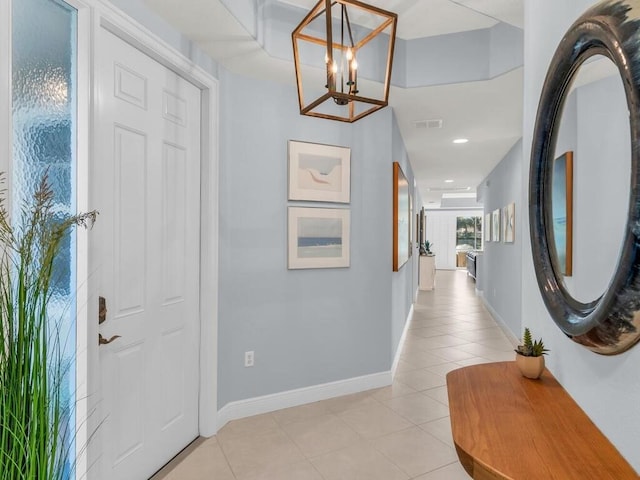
[
  {"x": 562, "y": 210},
  {"x": 495, "y": 225},
  {"x": 487, "y": 227},
  {"x": 401, "y": 216},
  {"x": 510, "y": 223}
]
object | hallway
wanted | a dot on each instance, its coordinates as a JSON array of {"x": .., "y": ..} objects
[{"x": 399, "y": 432}]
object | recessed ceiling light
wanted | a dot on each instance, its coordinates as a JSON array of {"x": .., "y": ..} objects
[
  {"x": 448, "y": 181},
  {"x": 461, "y": 140}
]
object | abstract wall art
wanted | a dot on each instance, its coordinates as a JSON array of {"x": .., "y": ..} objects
[
  {"x": 509, "y": 220},
  {"x": 320, "y": 173},
  {"x": 318, "y": 237},
  {"x": 495, "y": 225}
]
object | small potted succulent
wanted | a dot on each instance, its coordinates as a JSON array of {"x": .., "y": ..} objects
[
  {"x": 530, "y": 356},
  {"x": 425, "y": 248}
]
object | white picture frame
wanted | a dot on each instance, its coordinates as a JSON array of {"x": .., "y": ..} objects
[
  {"x": 510, "y": 223},
  {"x": 495, "y": 225},
  {"x": 319, "y": 173},
  {"x": 487, "y": 227},
  {"x": 318, "y": 237}
]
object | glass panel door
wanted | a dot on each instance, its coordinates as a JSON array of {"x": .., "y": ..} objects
[{"x": 44, "y": 103}]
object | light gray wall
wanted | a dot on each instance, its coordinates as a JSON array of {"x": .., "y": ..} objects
[
  {"x": 607, "y": 388},
  {"x": 404, "y": 283},
  {"x": 306, "y": 326},
  {"x": 506, "y": 46},
  {"x": 502, "y": 262},
  {"x": 459, "y": 57},
  {"x": 602, "y": 163}
]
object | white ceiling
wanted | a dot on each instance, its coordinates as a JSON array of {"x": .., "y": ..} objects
[
  {"x": 436, "y": 17},
  {"x": 488, "y": 113}
]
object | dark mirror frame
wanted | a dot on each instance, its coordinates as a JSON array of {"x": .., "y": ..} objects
[{"x": 611, "y": 323}]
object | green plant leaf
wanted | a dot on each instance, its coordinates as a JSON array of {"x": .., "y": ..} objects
[
  {"x": 34, "y": 438},
  {"x": 529, "y": 347}
]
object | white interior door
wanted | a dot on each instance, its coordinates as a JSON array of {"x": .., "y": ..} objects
[
  {"x": 147, "y": 177},
  {"x": 441, "y": 231}
]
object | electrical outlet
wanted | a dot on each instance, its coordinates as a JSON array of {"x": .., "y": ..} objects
[{"x": 248, "y": 359}]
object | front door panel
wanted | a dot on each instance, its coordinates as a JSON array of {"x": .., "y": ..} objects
[{"x": 148, "y": 190}]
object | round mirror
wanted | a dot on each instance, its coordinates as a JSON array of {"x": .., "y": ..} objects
[
  {"x": 590, "y": 180},
  {"x": 583, "y": 192}
]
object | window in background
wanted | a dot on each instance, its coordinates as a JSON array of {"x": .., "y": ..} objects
[{"x": 468, "y": 233}]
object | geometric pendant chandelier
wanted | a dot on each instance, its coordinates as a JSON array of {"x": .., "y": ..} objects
[{"x": 343, "y": 55}]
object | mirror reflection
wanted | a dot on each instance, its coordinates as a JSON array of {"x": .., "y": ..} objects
[{"x": 590, "y": 180}]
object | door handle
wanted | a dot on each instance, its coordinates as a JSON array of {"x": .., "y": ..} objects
[
  {"x": 105, "y": 341},
  {"x": 102, "y": 310}
]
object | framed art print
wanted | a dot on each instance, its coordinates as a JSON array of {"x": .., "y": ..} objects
[
  {"x": 318, "y": 237},
  {"x": 562, "y": 210},
  {"x": 401, "y": 218},
  {"x": 487, "y": 227},
  {"x": 510, "y": 223},
  {"x": 495, "y": 225},
  {"x": 319, "y": 173}
]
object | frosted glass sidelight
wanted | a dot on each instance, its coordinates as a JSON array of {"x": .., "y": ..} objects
[{"x": 44, "y": 138}]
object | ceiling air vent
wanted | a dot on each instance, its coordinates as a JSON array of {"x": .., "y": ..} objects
[{"x": 429, "y": 124}]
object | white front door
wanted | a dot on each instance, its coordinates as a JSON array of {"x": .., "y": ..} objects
[{"x": 147, "y": 177}]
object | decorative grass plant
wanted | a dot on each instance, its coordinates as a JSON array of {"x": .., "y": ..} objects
[{"x": 34, "y": 434}]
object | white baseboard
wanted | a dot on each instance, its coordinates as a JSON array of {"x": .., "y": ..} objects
[
  {"x": 394, "y": 365},
  {"x": 300, "y": 396},
  {"x": 314, "y": 393},
  {"x": 501, "y": 323}
]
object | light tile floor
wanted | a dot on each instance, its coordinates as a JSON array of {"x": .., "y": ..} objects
[{"x": 400, "y": 432}]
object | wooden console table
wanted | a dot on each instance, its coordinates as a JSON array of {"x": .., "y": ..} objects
[{"x": 506, "y": 426}]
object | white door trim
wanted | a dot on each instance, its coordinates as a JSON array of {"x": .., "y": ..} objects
[
  {"x": 108, "y": 17},
  {"x": 132, "y": 32},
  {"x": 83, "y": 149}
]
